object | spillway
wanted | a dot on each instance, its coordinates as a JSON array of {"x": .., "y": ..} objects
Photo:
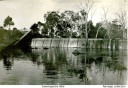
[{"x": 78, "y": 43}]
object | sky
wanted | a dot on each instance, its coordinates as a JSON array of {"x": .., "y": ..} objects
[{"x": 26, "y": 12}]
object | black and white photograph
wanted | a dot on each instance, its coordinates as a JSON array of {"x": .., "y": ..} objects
[{"x": 63, "y": 42}]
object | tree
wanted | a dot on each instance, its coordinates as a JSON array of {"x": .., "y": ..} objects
[
  {"x": 56, "y": 25},
  {"x": 40, "y": 26},
  {"x": 114, "y": 27},
  {"x": 98, "y": 27},
  {"x": 86, "y": 9},
  {"x": 1, "y": 28},
  {"x": 91, "y": 29},
  {"x": 121, "y": 16},
  {"x": 71, "y": 18},
  {"x": 63, "y": 29},
  {"x": 45, "y": 30},
  {"x": 52, "y": 19},
  {"x": 34, "y": 27},
  {"x": 100, "y": 31},
  {"x": 8, "y": 22},
  {"x": 15, "y": 29}
]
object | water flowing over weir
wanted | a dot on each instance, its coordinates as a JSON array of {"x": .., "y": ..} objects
[{"x": 78, "y": 42}]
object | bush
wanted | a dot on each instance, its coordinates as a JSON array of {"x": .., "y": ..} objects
[{"x": 8, "y": 36}]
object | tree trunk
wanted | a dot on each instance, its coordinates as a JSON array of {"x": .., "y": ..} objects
[
  {"x": 97, "y": 32},
  {"x": 110, "y": 45},
  {"x": 9, "y": 27}
]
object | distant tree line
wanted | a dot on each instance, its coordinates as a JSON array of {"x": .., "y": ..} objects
[{"x": 70, "y": 24}]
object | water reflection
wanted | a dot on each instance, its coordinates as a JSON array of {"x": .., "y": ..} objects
[
  {"x": 82, "y": 65},
  {"x": 8, "y": 55},
  {"x": 8, "y": 63},
  {"x": 60, "y": 65}
]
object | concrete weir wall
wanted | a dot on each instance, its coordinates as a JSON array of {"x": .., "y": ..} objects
[{"x": 78, "y": 42}]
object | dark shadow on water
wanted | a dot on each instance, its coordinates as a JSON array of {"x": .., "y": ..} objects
[
  {"x": 10, "y": 52},
  {"x": 8, "y": 63}
]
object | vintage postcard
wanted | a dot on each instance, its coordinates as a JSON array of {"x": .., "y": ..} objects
[{"x": 63, "y": 42}]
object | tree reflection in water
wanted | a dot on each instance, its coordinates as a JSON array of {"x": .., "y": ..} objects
[
  {"x": 8, "y": 55},
  {"x": 8, "y": 63},
  {"x": 81, "y": 66},
  {"x": 93, "y": 67}
]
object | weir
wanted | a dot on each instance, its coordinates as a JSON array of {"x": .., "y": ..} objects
[{"x": 79, "y": 43}]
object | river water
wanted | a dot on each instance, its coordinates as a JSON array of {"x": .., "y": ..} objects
[{"x": 60, "y": 66}]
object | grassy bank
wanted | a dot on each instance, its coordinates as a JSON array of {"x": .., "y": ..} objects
[{"x": 8, "y": 36}]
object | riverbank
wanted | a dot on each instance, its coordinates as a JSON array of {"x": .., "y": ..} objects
[{"x": 7, "y": 37}]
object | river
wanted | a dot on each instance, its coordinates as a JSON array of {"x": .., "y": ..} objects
[{"x": 51, "y": 66}]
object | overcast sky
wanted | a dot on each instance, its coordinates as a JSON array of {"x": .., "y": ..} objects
[{"x": 27, "y": 12}]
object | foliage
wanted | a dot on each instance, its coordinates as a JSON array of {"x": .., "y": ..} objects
[
  {"x": 8, "y": 22},
  {"x": 71, "y": 24},
  {"x": 55, "y": 25},
  {"x": 113, "y": 30},
  {"x": 34, "y": 27},
  {"x": 52, "y": 19},
  {"x": 119, "y": 67},
  {"x": 8, "y": 36}
]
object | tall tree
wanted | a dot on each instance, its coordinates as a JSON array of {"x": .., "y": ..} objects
[
  {"x": 56, "y": 25},
  {"x": 72, "y": 18},
  {"x": 100, "y": 31},
  {"x": 86, "y": 9},
  {"x": 52, "y": 19},
  {"x": 121, "y": 16},
  {"x": 8, "y": 22}
]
